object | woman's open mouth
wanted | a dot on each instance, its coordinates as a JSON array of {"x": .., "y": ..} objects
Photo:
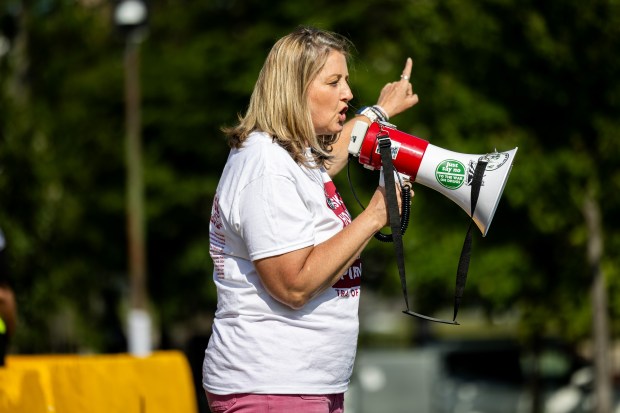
[{"x": 343, "y": 114}]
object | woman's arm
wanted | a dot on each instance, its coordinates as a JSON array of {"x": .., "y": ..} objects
[{"x": 296, "y": 277}]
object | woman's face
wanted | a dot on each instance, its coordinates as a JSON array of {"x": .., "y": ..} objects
[{"x": 329, "y": 94}]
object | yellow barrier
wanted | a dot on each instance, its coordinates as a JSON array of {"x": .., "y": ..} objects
[{"x": 159, "y": 383}]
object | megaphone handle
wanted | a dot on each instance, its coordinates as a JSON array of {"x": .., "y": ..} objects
[{"x": 405, "y": 195}]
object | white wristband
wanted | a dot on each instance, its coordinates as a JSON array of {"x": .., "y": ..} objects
[
  {"x": 374, "y": 113},
  {"x": 383, "y": 112}
]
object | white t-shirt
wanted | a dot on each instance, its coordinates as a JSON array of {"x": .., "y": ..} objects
[{"x": 267, "y": 205}]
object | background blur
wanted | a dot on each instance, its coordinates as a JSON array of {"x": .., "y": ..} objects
[{"x": 490, "y": 74}]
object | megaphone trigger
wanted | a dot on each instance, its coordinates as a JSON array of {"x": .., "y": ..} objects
[
  {"x": 404, "y": 180},
  {"x": 398, "y": 177}
]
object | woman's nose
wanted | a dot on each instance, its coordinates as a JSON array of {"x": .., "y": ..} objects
[{"x": 348, "y": 94}]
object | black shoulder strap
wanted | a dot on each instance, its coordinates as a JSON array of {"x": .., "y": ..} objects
[
  {"x": 394, "y": 218},
  {"x": 385, "y": 145},
  {"x": 463, "y": 268}
]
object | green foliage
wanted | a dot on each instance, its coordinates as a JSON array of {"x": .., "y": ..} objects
[{"x": 490, "y": 74}]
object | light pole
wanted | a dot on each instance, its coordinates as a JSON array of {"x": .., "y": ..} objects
[{"x": 130, "y": 17}]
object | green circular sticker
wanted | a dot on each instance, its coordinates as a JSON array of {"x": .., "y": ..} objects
[{"x": 450, "y": 174}]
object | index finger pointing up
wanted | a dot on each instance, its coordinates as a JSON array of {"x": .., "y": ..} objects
[{"x": 407, "y": 71}]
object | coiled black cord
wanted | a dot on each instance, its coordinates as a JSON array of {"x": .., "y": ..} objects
[{"x": 405, "y": 192}]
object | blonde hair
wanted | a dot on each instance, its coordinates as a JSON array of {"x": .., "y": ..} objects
[{"x": 279, "y": 104}]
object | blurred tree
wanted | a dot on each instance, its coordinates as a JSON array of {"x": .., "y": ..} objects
[{"x": 490, "y": 74}]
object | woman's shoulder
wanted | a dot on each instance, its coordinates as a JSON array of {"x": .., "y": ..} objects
[
  {"x": 262, "y": 145},
  {"x": 259, "y": 139}
]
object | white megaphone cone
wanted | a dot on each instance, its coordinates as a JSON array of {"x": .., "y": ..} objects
[{"x": 447, "y": 172}]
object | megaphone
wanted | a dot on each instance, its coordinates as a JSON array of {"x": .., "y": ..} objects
[{"x": 447, "y": 172}]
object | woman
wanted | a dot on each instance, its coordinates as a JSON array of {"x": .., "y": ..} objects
[{"x": 285, "y": 249}]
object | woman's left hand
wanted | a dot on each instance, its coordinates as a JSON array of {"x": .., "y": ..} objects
[{"x": 396, "y": 97}]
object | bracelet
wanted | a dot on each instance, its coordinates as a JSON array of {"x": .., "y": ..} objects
[
  {"x": 383, "y": 112},
  {"x": 374, "y": 113}
]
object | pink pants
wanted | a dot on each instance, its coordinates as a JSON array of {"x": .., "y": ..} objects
[{"x": 276, "y": 403}]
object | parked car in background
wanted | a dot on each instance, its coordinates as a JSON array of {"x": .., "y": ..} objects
[
  {"x": 495, "y": 376},
  {"x": 578, "y": 395}
]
